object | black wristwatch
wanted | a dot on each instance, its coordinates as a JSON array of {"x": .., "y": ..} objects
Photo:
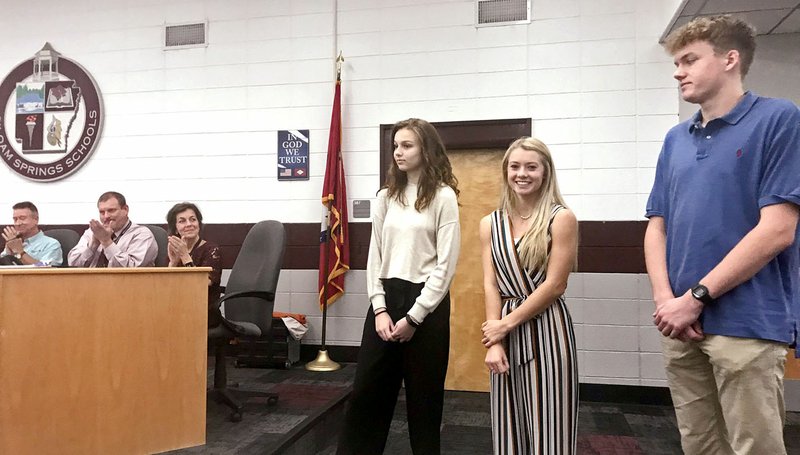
[{"x": 700, "y": 293}]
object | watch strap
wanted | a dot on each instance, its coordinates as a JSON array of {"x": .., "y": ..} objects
[{"x": 700, "y": 292}]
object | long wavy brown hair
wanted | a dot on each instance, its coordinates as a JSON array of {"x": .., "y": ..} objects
[{"x": 436, "y": 169}]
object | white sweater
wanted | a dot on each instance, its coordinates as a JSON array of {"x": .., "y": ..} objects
[{"x": 420, "y": 247}]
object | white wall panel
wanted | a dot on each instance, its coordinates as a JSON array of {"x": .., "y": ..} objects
[
  {"x": 561, "y": 30},
  {"x": 554, "y": 80},
  {"x": 566, "y": 156},
  {"x": 656, "y": 101},
  {"x": 609, "y": 155},
  {"x": 603, "y": 7},
  {"x": 610, "y": 181},
  {"x": 656, "y": 75},
  {"x": 608, "y": 129},
  {"x": 548, "y": 9},
  {"x": 607, "y": 104},
  {"x": 606, "y": 78},
  {"x": 654, "y": 127},
  {"x": 559, "y": 55},
  {"x": 555, "y": 106},
  {"x": 608, "y": 52},
  {"x": 560, "y": 131},
  {"x": 607, "y": 26}
]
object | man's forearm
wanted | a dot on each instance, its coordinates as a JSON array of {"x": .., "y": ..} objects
[
  {"x": 773, "y": 234},
  {"x": 655, "y": 255}
]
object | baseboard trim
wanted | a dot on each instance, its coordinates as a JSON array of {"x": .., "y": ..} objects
[{"x": 632, "y": 394}]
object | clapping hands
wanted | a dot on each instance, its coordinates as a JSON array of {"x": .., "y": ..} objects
[
  {"x": 102, "y": 234},
  {"x": 13, "y": 240},
  {"x": 177, "y": 251}
]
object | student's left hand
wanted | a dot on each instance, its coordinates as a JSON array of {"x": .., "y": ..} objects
[
  {"x": 675, "y": 315},
  {"x": 403, "y": 331},
  {"x": 494, "y": 331}
]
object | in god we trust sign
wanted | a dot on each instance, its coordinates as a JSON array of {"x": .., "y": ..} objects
[{"x": 293, "y": 155}]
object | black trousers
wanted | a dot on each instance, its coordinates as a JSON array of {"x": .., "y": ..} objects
[{"x": 421, "y": 363}]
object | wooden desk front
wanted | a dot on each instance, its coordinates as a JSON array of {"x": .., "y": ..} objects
[{"x": 99, "y": 361}]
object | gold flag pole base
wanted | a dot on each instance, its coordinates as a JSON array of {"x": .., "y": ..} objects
[{"x": 322, "y": 363}]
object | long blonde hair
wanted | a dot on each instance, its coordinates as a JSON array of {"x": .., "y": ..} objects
[{"x": 534, "y": 247}]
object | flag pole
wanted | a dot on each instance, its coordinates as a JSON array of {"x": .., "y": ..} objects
[{"x": 323, "y": 362}]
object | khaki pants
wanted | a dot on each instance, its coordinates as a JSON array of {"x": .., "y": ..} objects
[{"x": 728, "y": 394}]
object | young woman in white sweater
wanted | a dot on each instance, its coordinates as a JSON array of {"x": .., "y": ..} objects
[{"x": 412, "y": 259}]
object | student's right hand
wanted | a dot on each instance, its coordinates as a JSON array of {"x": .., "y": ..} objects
[
  {"x": 384, "y": 326},
  {"x": 496, "y": 359}
]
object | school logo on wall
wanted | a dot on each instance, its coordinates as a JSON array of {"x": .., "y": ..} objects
[{"x": 51, "y": 119}]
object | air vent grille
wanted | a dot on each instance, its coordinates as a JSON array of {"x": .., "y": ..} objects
[
  {"x": 185, "y": 35},
  {"x": 499, "y": 12}
]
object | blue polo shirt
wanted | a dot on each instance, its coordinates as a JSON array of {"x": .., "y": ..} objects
[
  {"x": 42, "y": 248},
  {"x": 710, "y": 185}
]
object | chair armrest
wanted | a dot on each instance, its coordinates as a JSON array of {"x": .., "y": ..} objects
[
  {"x": 233, "y": 326},
  {"x": 263, "y": 295}
]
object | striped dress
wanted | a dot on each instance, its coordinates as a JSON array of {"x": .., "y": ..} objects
[{"x": 534, "y": 406}]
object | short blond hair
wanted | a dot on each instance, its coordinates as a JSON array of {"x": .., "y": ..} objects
[{"x": 723, "y": 32}]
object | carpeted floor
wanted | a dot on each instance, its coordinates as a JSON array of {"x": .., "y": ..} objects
[
  {"x": 292, "y": 426},
  {"x": 303, "y": 396}
]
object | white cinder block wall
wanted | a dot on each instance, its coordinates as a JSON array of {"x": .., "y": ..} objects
[{"x": 200, "y": 124}]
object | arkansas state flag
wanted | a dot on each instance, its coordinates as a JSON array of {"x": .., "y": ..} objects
[{"x": 337, "y": 250}]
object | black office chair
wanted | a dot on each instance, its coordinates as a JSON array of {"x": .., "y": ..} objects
[
  {"x": 249, "y": 299},
  {"x": 162, "y": 259},
  {"x": 67, "y": 238}
]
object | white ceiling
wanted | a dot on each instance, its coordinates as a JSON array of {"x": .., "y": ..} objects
[{"x": 767, "y": 16}]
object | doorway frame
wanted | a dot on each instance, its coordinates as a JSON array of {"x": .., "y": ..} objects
[{"x": 463, "y": 135}]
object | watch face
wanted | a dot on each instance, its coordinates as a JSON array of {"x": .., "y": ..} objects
[{"x": 699, "y": 292}]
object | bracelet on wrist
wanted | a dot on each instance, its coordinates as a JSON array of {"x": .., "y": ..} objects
[
  {"x": 411, "y": 321},
  {"x": 379, "y": 311}
]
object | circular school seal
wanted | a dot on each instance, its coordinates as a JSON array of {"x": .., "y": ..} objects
[{"x": 52, "y": 117}]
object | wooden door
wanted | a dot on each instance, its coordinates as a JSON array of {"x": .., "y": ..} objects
[{"x": 479, "y": 176}]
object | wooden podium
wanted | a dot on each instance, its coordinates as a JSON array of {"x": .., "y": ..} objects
[{"x": 99, "y": 361}]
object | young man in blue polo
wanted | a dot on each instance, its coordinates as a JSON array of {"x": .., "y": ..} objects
[{"x": 722, "y": 248}]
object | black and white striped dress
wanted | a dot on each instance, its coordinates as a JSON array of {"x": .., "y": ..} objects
[{"x": 534, "y": 406}]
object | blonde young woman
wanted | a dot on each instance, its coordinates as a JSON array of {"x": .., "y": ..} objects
[
  {"x": 411, "y": 263},
  {"x": 529, "y": 247}
]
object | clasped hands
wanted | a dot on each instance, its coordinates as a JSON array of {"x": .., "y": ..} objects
[
  {"x": 13, "y": 240},
  {"x": 389, "y": 331},
  {"x": 677, "y": 317},
  {"x": 494, "y": 332}
]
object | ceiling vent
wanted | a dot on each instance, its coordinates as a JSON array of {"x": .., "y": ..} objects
[
  {"x": 502, "y": 12},
  {"x": 185, "y": 35}
]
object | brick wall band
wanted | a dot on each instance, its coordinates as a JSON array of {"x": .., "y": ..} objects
[{"x": 605, "y": 246}]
